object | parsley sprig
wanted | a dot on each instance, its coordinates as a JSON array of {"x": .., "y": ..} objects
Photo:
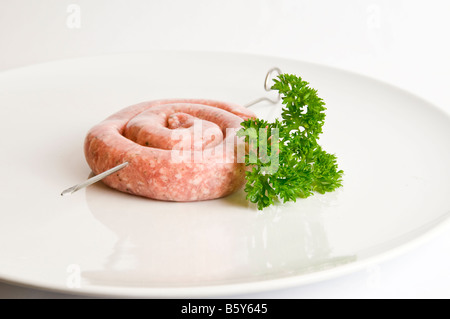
[{"x": 286, "y": 162}]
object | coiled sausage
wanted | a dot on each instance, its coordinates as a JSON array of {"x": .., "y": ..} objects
[{"x": 177, "y": 150}]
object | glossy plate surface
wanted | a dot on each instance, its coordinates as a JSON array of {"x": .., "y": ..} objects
[{"x": 393, "y": 147}]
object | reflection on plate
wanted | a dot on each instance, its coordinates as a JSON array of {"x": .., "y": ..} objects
[
  {"x": 392, "y": 146},
  {"x": 209, "y": 245}
]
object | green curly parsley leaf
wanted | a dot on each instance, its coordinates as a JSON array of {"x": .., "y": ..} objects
[{"x": 285, "y": 158}]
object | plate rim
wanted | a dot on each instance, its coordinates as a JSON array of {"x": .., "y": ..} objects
[{"x": 377, "y": 80}]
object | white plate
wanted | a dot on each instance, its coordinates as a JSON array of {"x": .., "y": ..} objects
[{"x": 393, "y": 147}]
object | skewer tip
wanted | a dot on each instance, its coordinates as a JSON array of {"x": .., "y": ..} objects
[{"x": 93, "y": 180}]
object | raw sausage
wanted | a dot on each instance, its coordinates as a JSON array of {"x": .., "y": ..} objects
[{"x": 177, "y": 150}]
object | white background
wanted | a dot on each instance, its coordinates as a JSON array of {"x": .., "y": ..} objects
[{"x": 402, "y": 42}]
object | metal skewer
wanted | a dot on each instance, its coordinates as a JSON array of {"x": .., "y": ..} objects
[
  {"x": 93, "y": 180},
  {"x": 96, "y": 178},
  {"x": 267, "y": 87}
]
